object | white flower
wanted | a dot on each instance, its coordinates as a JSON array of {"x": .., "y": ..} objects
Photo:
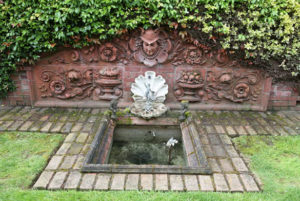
[{"x": 171, "y": 142}]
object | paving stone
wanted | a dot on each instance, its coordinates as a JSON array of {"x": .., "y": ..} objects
[
  {"x": 6, "y": 124},
  {"x": 7, "y": 117},
  {"x": 15, "y": 126},
  {"x": 161, "y": 182},
  {"x": 239, "y": 164},
  {"x": 44, "y": 117},
  {"x": 85, "y": 149},
  {"x": 249, "y": 182},
  {"x": 214, "y": 165},
  {"x": 219, "y": 151},
  {"x": 75, "y": 149},
  {"x": 240, "y": 130},
  {"x": 234, "y": 183},
  {"x": 205, "y": 183},
  {"x": 90, "y": 139},
  {"x": 118, "y": 182},
  {"x": 102, "y": 182},
  {"x": 208, "y": 151},
  {"x": 210, "y": 130},
  {"x": 176, "y": 183},
  {"x": 87, "y": 127},
  {"x": 220, "y": 129},
  {"x": 54, "y": 162},
  {"x": 132, "y": 182},
  {"x": 95, "y": 111},
  {"x": 71, "y": 137},
  {"x": 220, "y": 182},
  {"x": 191, "y": 182},
  {"x": 146, "y": 182},
  {"x": 231, "y": 132},
  {"x": 82, "y": 137},
  {"x": 231, "y": 151},
  {"x": 57, "y": 181},
  {"x": 63, "y": 118},
  {"x": 204, "y": 139},
  {"x": 226, "y": 165},
  {"x": 87, "y": 182},
  {"x": 79, "y": 162},
  {"x": 92, "y": 119},
  {"x": 83, "y": 117},
  {"x": 73, "y": 180},
  {"x": 57, "y": 127},
  {"x": 270, "y": 130},
  {"x": 260, "y": 130},
  {"x": 36, "y": 126},
  {"x": 26, "y": 126},
  {"x": 43, "y": 180},
  {"x": 262, "y": 121},
  {"x": 67, "y": 127},
  {"x": 225, "y": 139},
  {"x": 281, "y": 131},
  {"x": 68, "y": 162},
  {"x": 250, "y": 130},
  {"x": 46, "y": 127},
  {"x": 77, "y": 127},
  {"x": 63, "y": 148},
  {"x": 214, "y": 139},
  {"x": 290, "y": 130}
]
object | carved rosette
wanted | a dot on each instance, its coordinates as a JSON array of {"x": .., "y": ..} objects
[
  {"x": 234, "y": 86},
  {"x": 104, "y": 85},
  {"x": 189, "y": 86},
  {"x": 108, "y": 52},
  {"x": 151, "y": 47}
]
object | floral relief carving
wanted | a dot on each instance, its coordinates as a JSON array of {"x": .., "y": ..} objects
[
  {"x": 104, "y": 84},
  {"x": 234, "y": 86},
  {"x": 108, "y": 52}
]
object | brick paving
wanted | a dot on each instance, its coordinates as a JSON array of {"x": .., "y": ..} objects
[{"x": 215, "y": 130}]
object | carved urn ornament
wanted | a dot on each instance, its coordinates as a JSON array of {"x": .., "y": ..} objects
[
  {"x": 149, "y": 93},
  {"x": 151, "y": 47}
]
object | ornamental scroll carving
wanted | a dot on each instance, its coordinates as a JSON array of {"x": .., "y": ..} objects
[
  {"x": 236, "y": 86},
  {"x": 104, "y": 84}
]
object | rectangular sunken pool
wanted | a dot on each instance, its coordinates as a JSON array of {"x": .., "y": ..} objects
[{"x": 133, "y": 145}]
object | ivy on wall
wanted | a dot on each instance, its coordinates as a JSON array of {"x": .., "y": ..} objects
[{"x": 264, "y": 33}]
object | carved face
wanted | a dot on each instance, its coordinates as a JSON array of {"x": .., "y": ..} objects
[{"x": 150, "y": 48}]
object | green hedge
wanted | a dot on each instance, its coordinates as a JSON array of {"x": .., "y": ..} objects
[{"x": 267, "y": 31}]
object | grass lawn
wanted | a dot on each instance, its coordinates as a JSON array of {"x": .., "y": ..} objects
[{"x": 23, "y": 155}]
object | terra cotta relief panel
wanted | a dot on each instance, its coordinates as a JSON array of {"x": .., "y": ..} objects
[{"x": 103, "y": 72}]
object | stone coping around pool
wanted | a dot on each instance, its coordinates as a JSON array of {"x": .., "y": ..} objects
[{"x": 102, "y": 143}]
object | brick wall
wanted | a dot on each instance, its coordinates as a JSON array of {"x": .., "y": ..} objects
[
  {"x": 22, "y": 95},
  {"x": 284, "y": 96}
]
